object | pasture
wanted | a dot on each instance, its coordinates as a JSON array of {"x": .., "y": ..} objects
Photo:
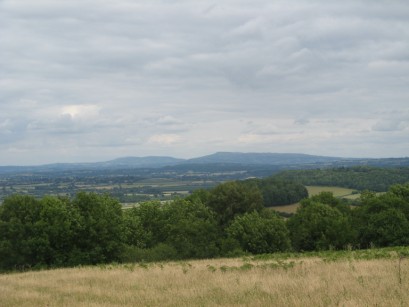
[{"x": 349, "y": 278}]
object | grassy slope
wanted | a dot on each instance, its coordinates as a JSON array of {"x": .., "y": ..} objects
[{"x": 361, "y": 278}]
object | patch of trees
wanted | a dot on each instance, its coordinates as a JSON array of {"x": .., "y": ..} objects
[
  {"x": 228, "y": 220},
  {"x": 359, "y": 177},
  {"x": 58, "y": 231},
  {"x": 278, "y": 192}
]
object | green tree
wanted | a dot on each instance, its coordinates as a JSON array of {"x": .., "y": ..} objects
[
  {"x": 152, "y": 221},
  {"x": 35, "y": 232},
  {"x": 277, "y": 192},
  {"x": 328, "y": 198},
  {"x": 191, "y": 228},
  {"x": 318, "y": 226},
  {"x": 99, "y": 233},
  {"x": 234, "y": 198},
  {"x": 383, "y": 220},
  {"x": 21, "y": 240},
  {"x": 260, "y": 234},
  {"x": 133, "y": 231},
  {"x": 58, "y": 222}
]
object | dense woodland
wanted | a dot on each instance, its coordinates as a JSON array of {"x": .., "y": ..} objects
[
  {"x": 228, "y": 220},
  {"x": 358, "y": 177}
]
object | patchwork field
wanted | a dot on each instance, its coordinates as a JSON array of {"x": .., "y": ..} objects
[
  {"x": 314, "y": 190},
  {"x": 257, "y": 281}
]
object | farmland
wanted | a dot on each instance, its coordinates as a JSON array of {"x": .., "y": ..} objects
[
  {"x": 377, "y": 277},
  {"x": 314, "y": 190},
  {"x": 127, "y": 186}
]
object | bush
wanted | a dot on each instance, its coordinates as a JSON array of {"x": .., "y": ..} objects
[{"x": 318, "y": 226}]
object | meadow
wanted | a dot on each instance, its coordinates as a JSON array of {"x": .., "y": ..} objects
[{"x": 377, "y": 277}]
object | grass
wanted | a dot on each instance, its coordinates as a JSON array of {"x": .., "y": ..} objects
[
  {"x": 286, "y": 208},
  {"x": 349, "y": 278},
  {"x": 337, "y": 191}
]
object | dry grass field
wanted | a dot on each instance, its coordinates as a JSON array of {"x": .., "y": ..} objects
[{"x": 220, "y": 282}]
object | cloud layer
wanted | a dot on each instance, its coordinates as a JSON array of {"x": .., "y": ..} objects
[{"x": 92, "y": 80}]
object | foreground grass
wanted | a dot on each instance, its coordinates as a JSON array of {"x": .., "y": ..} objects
[{"x": 314, "y": 279}]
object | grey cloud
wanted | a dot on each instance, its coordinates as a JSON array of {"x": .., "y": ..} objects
[
  {"x": 188, "y": 70},
  {"x": 389, "y": 125},
  {"x": 301, "y": 121}
]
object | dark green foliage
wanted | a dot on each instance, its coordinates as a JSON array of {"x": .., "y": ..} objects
[
  {"x": 259, "y": 234},
  {"x": 191, "y": 228},
  {"x": 99, "y": 235},
  {"x": 59, "y": 222},
  {"x": 228, "y": 220},
  {"x": 150, "y": 216},
  {"x": 384, "y": 220},
  {"x": 234, "y": 198},
  {"x": 318, "y": 226},
  {"x": 328, "y": 198},
  {"x": 133, "y": 231},
  {"x": 199, "y": 195},
  {"x": 277, "y": 192},
  {"x": 23, "y": 242},
  {"x": 57, "y": 232},
  {"x": 359, "y": 177},
  {"x": 160, "y": 252}
]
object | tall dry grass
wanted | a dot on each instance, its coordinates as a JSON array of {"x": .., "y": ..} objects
[{"x": 220, "y": 282}]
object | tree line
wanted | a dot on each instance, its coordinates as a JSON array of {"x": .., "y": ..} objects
[
  {"x": 228, "y": 220},
  {"x": 359, "y": 177}
]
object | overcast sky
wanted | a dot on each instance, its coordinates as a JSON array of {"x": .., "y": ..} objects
[{"x": 92, "y": 80}]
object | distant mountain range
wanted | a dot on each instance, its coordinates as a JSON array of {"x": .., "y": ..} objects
[
  {"x": 281, "y": 160},
  {"x": 261, "y": 158}
]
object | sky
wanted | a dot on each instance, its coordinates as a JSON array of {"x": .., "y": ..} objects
[{"x": 94, "y": 80}]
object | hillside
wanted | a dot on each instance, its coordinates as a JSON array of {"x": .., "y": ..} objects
[{"x": 368, "y": 278}]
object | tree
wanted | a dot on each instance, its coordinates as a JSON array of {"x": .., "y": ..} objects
[
  {"x": 20, "y": 238},
  {"x": 151, "y": 218},
  {"x": 386, "y": 228},
  {"x": 234, "y": 198},
  {"x": 58, "y": 222},
  {"x": 99, "y": 233},
  {"x": 36, "y": 232},
  {"x": 318, "y": 226},
  {"x": 260, "y": 234},
  {"x": 191, "y": 228},
  {"x": 277, "y": 192},
  {"x": 383, "y": 220},
  {"x": 133, "y": 231},
  {"x": 327, "y": 198}
]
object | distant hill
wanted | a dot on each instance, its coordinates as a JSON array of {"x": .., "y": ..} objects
[
  {"x": 233, "y": 161},
  {"x": 261, "y": 158},
  {"x": 150, "y": 161},
  {"x": 120, "y": 163}
]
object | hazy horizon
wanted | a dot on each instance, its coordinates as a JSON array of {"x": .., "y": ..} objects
[
  {"x": 191, "y": 157},
  {"x": 89, "y": 81}
]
